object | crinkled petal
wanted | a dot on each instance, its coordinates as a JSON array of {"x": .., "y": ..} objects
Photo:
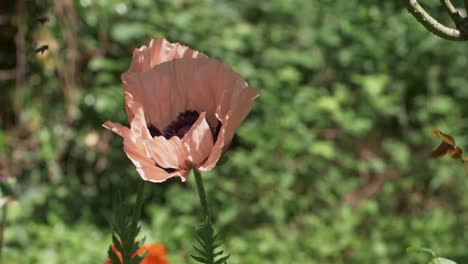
[
  {"x": 216, "y": 152},
  {"x": 239, "y": 111},
  {"x": 136, "y": 152},
  {"x": 155, "y": 174},
  {"x": 198, "y": 142},
  {"x": 229, "y": 123},
  {"x": 138, "y": 124},
  {"x": 168, "y": 79},
  {"x": 159, "y": 51},
  {"x": 147, "y": 168},
  {"x": 158, "y": 93},
  {"x": 145, "y": 58},
  {"x": 204, "y": 85},
  {"x": 167, "y": 153}
]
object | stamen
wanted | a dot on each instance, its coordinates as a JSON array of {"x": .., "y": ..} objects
[{"x": 181, "y": 125}]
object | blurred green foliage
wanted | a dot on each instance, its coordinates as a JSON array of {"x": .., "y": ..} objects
[{"x": 331, "y": 166}]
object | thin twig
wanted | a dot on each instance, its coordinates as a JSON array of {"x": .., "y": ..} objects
[
  {"x": 431, "y": 24},
  {"x": 453, "y": 12},
  {"x": 466, "y": 6}
]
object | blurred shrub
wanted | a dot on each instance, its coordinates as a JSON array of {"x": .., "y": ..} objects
[{"x": 332, "y": 165}]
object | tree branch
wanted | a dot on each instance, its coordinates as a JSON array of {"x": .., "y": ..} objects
[
  {"x": 466, "y": 5},
  {"x": 453, "y": 12},
  {"x": 431, "y": 24}
]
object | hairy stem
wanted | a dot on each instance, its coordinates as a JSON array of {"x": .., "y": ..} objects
[
  {"x": 202, "y": 195},
  {"x": 432, "y": 24}
]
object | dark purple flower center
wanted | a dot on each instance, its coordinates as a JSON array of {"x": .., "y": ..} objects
[
  {"x": 182, "y": 125},
  {"x": 154, "y": 131}
]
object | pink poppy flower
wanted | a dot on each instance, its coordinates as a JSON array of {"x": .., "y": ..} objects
[{"x": 183, "y": 109}]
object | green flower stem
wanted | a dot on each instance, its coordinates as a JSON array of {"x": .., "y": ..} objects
[
  {"x": 202, "y": 195},
  {"x": 139, "y": 202}
]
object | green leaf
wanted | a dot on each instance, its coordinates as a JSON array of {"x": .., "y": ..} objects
[
  {"x": 442, "y": 261},
  {"x": 419, "y": 250},
  {"x": 126, "y": 229},
  {"x": 209, "y": 242},
  {"x": 112, "y": 256}
]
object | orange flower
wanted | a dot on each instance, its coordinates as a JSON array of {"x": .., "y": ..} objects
[
  {"x": 183, "y": 109},
  {"x": 156, "y": 254}
]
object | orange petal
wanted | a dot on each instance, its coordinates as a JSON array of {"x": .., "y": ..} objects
[
  {"x": 156, "y": 254},
  {"x": 198, "y": 141}
]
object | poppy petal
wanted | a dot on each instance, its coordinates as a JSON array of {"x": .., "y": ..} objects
[
  {"x": 159, "y": 94},
  {"x": 138, "y": 124},
  {"x": 166, "y": 80},
  {"x": 238, "y": 113},
  {"x": 159, "y": 51},
  {"x": 136, "y": 152},
  {"x": 240, "y": 110},
  {"x": 204, "y": 85},
  {"x": 167, "y": 153},
  {"x": 198, "y": 141},
  {"x": 145, "y": 58}
]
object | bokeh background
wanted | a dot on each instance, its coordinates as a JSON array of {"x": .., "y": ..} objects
[{"x": 332, "y": 165}]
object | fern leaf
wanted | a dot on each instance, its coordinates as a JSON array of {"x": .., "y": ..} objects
[{"x": 209, "y": 242}]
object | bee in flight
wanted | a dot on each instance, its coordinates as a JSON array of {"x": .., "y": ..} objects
[
  {"x": 42, "y": 49},
  {"x": 43, "y": 20}
]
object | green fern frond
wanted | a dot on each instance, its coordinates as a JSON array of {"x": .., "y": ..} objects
[
  {"x": 208, "y": 244},
  {"x": 125, "y": 230}
]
